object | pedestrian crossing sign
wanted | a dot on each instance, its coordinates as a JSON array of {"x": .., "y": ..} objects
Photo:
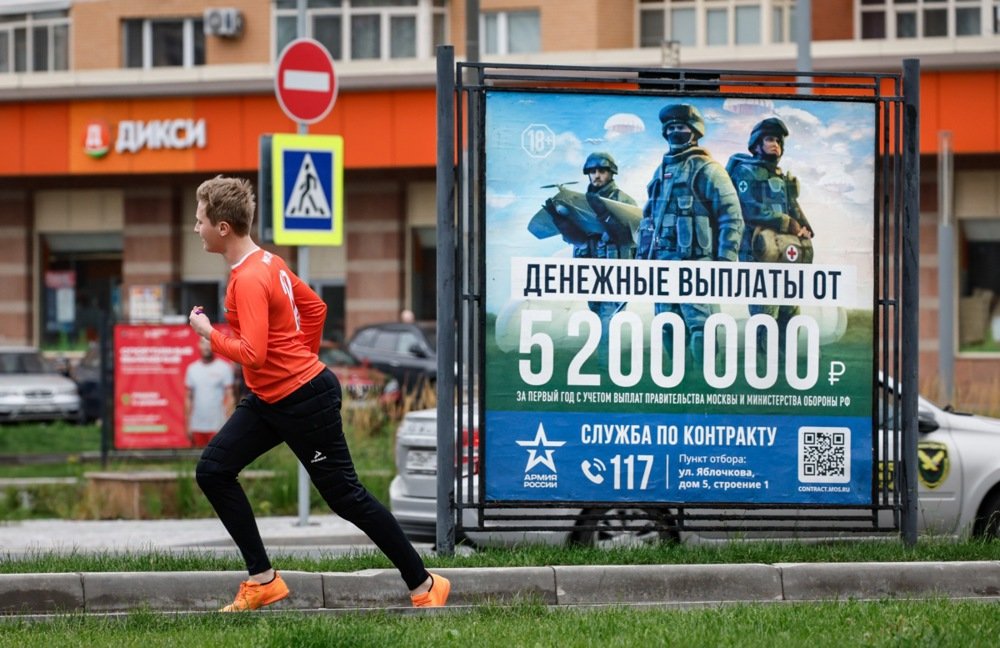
[{"x": 307, "y": 175}]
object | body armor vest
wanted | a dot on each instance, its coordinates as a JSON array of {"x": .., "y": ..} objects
[{"x": 681, "y": 226}]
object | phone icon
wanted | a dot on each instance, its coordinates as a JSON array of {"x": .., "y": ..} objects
[{"x": 590, "y": 474}]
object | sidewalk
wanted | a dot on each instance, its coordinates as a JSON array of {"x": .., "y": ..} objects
[
  {"x": 588, "y": 585},
  {"x": 92, "y": 536}
]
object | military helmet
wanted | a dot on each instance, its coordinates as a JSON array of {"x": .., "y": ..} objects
[
  {"x": 599, "y": 160},
  {"x": 685, "y": 114},
  {"x": 769, "y": 126}
]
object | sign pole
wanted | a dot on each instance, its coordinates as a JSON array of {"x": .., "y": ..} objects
[
  {"x": 305, "y": 86},
  {"x": 303, "y": 129},
  {"x": 303, "y": 475}
]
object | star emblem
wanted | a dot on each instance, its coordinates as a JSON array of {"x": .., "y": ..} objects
[{"x": 540, "y": 441}]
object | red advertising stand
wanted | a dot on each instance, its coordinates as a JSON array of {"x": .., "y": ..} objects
[{"x": 150, "y": 363}]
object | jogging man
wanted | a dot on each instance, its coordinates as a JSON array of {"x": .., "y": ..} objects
[{"x": 276, "y": 323}]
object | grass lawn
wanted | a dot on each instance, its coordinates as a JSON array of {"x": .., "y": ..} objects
[
  {"x": 938, "y": 623},
  {"x": 44, "y": 438},
  {"x": 371, "y": 448},
  {"x": 941, "y": 623},
  {"x": 735, "y": 552}
]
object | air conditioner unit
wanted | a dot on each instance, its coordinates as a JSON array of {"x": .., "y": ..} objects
[{"x": 226, "y": 22}]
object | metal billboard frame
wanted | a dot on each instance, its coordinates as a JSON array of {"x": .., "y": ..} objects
[{"x": 462, "y": 506}]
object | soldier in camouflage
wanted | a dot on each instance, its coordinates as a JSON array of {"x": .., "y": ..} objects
[
  {"x": 769, "y": 198},
  {"x": 615, "y": 242},
  {"x": 692, "y": 214}
]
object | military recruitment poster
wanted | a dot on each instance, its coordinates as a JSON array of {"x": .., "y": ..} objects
[{"x": 679, "y": 299}]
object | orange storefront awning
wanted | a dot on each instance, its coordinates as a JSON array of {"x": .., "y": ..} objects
[
  {"x": 386, "y": 129},
  {"x": 381, "y": 129}
]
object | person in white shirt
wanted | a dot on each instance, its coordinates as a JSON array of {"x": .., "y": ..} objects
[{"x": 210, "y": 395}]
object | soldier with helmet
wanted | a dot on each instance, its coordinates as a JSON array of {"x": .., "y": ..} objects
[
  {"x": 614, "y": 242},
  {"x": 776, "y": 229},
  {"x": 693, "y": 214}
]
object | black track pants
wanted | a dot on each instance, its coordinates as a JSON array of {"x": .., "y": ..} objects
[{"x": 308, "y": 420}]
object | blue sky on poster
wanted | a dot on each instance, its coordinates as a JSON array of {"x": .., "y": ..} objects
[{"x": 830, "y": 149}]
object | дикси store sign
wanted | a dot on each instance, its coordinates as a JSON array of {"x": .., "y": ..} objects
[{"x": 645, "y": 343}]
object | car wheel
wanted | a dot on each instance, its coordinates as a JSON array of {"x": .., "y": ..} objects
[
  {"x": 625, "y": 527},
  {"x": 988, "y": 521}
]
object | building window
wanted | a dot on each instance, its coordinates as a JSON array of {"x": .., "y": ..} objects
[
  {"x": 710, "y": 23},
  {"x": 717, "y": 27},
  {"x": 782, "y": 22},
  {"x": 682, "y": 21},
  {"x": 166, "y": 42},
  {"x": 967, "y": 21},
  {"x": 926, "y": 18},
  {"x": 34, "y": 42},
  {"x": 366, "y": 29},
  {"x": 510, "y": 32},
  {"x": 747, "y": 24},
  {"x": 979, "y": 286}
]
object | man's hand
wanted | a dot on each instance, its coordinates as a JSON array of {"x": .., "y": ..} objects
[
  {"x": 796, "y": 229},
  {"x": 550, "y": 206},
  {"x": 200, "y": 323},
  {"x": 595, "y": 202},
  {"x": 562, "y": 218}
]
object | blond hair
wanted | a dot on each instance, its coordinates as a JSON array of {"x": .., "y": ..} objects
[{"x": 229, "y": 200}]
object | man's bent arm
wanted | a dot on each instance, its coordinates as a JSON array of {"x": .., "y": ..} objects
[{"x": 312, "y": 314}]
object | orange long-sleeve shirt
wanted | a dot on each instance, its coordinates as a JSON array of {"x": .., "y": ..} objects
[{"x": 277, "y": 323}]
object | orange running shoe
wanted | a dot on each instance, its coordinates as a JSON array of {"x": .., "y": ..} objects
[
  {"x": 254, "y": 595},
  {"x": 437, "y": 596}
]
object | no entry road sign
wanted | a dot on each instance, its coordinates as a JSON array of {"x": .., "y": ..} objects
[{"x": 305, "y": 84}]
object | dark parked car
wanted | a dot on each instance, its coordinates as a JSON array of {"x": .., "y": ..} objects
[{"x": 406, "y": 351}]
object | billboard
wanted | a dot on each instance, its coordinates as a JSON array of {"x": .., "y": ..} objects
[
  {"x": 696, "y": 324},
  {"x": 150, "y": 364}
]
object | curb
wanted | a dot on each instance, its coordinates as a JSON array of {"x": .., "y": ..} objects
[
  {"x": 111, "y": 592},
  {"x": 643, "y": 584},
  {"x": 840, "y": 581}
]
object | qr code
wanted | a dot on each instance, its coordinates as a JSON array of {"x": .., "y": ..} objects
[{"x": 825, "y": 455}]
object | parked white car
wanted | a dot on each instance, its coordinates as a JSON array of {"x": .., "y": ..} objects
[
  {"x": 959, "y": 490},
  {"x": 31, "y": 390}
]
